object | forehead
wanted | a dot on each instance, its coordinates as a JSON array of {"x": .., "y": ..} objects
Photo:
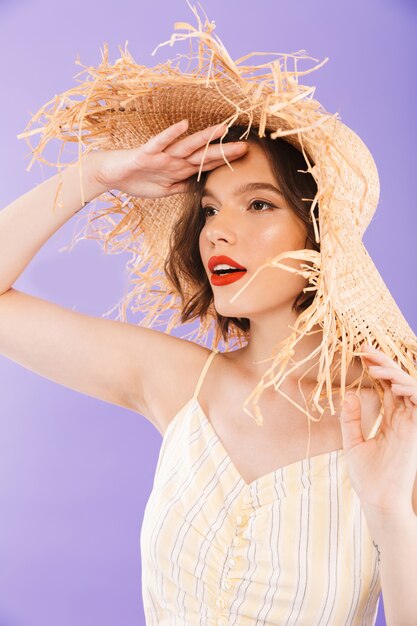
[{"x": 248, "y": 173}]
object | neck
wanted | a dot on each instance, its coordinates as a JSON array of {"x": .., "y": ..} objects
[{"x": 266, "y": 334}]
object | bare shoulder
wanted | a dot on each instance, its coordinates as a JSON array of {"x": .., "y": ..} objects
[
  {"x": 166, "y": 376},
  {"x": 144, "y": 370}
]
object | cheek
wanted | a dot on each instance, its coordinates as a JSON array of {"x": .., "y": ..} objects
[
  {"x": 279, "y": 237},
  {"x": 201, "y": 242},
  {"x": 202, "y": 245}
]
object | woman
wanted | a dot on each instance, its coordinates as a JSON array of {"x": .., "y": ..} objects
[
  {"x": 232, "y": 226},
  {"x": 241, "y": 527}
]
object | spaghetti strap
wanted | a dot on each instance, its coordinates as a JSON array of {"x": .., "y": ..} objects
[
  {"x": 203, "y": 373},
  {"x": 375, "y": 427}
]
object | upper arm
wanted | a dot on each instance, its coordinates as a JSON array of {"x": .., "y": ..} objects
[{"x": 114, "y": 361}]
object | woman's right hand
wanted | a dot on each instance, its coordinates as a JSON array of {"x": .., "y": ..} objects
[{"x": 161, "y": 166}]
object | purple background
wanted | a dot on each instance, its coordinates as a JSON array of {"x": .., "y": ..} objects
[{"x": 75, "y": 473}]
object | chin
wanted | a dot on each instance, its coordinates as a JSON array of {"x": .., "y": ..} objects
[{"x": 230, "y": 311}]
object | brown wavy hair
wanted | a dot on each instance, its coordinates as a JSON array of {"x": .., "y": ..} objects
[{"x": 184, "y": 259}]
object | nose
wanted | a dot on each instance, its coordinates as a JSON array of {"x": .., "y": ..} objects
[{"x": 221, "y": 227}]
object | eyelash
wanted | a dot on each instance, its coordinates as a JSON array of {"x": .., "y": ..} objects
[{"x": 268, "y": 204}]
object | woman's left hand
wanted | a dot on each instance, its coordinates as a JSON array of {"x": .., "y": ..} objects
[{"x": 383, "y": 469}]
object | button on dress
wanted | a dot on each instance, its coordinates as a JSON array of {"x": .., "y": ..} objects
[{"x": 291, "y": 548}]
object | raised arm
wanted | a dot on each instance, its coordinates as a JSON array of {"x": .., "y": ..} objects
[
  {"x": 114, "y": 361},
  {"x": 28, "y": 222}
]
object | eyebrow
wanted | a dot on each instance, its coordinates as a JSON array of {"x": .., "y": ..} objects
[{"x": 247, "y": 187}]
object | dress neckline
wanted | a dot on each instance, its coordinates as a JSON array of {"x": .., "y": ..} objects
[{"x": 265, "y": 477}]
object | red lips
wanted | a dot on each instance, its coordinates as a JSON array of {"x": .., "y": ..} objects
[
  {"x": 215, "y": 260},
  {"x": 226, "y": 279}
]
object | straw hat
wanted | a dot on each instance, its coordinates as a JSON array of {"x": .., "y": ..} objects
[{"x": 125, "y": 104}]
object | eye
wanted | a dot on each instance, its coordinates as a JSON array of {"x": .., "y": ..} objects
[
  {"x": 258, "y": 202},
  {"x": 205, "y": 209},
  {"x": 253, "y": 203}
]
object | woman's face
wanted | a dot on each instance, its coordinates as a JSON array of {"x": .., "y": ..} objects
[{"x": 250, "y": 225}]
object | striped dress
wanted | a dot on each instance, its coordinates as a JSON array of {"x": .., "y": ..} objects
[{"x": 290, "y": 548}]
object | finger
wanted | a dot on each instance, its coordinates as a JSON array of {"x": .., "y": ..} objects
[
  {"x": 190, "y": 144},
  {"x": 407, "y": 391},
  {"x": 393, "y": 400},
  {"x": 385, "y": 384},
  {"x": 374, "y": 355},
  {"x": 180, "y": 187},
  {"x": 181, "y": 173},
  {"x": 350, "y": 422},
  {"x": 215, "y": 151},
  {"x": 398, "y": 401},
  {"x": 389, "y": 404},
  {"x": 389, "y": 380},
  {"x": 162, "y": 140},
  {"x": 211, "y": 165},
  {"x": 394, "y": 374},
  {"x": 184, "y": 172}
]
